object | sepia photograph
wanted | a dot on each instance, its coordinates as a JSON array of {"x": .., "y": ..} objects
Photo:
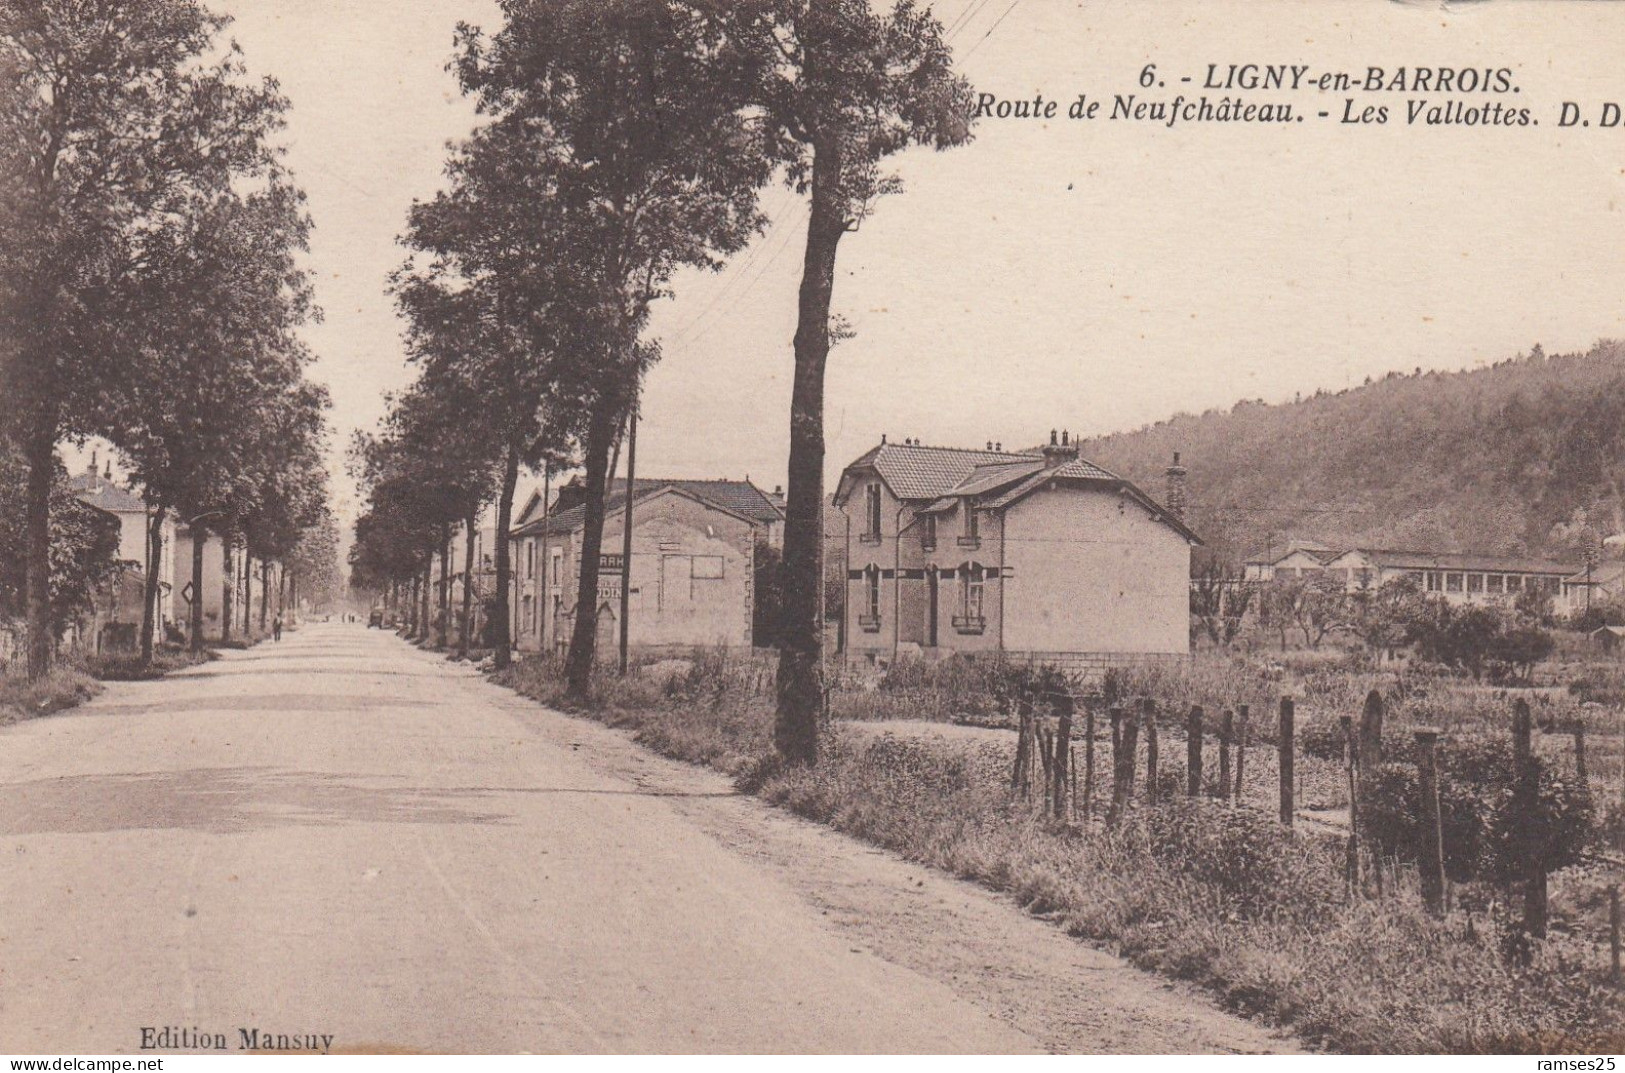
[{"x": 800, "y": 527}]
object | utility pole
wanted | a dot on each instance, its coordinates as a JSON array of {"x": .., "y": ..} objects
[
  {"x": 544, "y": 615},
  {"x": 626, "y": 526}
]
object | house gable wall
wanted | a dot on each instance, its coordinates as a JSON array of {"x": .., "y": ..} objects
[
  {"x": 1092, "y": 571},
  {"x": 693, "y": 578}
]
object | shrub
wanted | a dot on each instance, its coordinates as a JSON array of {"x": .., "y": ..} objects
[
  {"x": 63, "y": 688},
  {"x": 1485, "y": 836},
  {"x": 1251, "y": 863}
]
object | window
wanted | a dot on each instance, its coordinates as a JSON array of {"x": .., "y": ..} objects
[
  {"x": 928, "y": 532},
  {"x": 1452, "y": 583},
  {"x": 706, "y": 567},
  {"x": 869, "y": 619},
  {"x": 871, "y": 513},
  {"x": 1434, "y": 581},
  {"x": 973, "y": 526},
  {"x": 1514, "y": 582},
  {"x": 972, "y": 591},
  {"x": 1494, "y": 583},
  {"x": 530, "y": 558},
  {"x": 1475, "y": 582},
  {"x": 558, "y": 565}
]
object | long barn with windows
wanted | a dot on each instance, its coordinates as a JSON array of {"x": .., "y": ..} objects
[
  {"x": 1459, "y": 579},
  {"x": 1037, "y": 554}
]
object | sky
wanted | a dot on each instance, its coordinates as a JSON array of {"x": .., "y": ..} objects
[{"x": 1089, "y": 275}]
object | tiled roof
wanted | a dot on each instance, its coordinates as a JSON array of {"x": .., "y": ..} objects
[
  {"x": 736, "y": 497},
  {"x": 1270, "y": 556},
  {"x": 984, "y": 479},
  {"x": 100, "y": 492},
  {"x": 1601, "y": 574},
  {"x": 1493, "y": 564},
  {"x": 913, "y": 471},
  {"x": 1081, "y": 470}
]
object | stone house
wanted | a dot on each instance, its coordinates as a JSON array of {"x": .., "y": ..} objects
[
  {"x": 694, "y": 548},
  {"x": 120, "y": 605},
  {"x": 1034, "y": 554}
]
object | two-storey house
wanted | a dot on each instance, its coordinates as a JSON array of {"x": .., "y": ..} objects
[{"x": 1038, "y": 554}]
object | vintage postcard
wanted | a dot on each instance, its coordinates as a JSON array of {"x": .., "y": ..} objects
[{"x": 811, "y": 526}]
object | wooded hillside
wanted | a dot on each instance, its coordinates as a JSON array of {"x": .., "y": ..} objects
[{"x": 1521, "y": 457}]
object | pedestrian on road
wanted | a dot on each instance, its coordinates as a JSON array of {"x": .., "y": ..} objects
[{"x": 276, "y": 628}]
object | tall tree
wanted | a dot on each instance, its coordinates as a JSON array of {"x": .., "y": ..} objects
[
  {"x": 113, "y": 117},
  {"x": 194, "y": 409},
  {"x": 842, "y": 88},
  {"x": 627, "y": 122}
]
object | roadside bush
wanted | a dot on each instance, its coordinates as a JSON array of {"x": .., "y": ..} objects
[
  {"x": 65, "y": 687},
  {"x": 1485, "y": 836},
  {"x": 129, "y": 668},
  {"x": 1255, "y": 866}
]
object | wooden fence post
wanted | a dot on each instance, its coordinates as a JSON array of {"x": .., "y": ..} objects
[
  {"x": 1351, "y": 863},
  {"x": 1370, "y": 735},
  {"x": 1284, "y": 753},
  {"x": 1148, "y": 715},
  {"x": 1526, "y": 778},
  {"x": 1580, "y": 751},
  {"x": 1089, "y": 761},
  {"x": 1063, "y": 754},
  {"x": 1430, "y": 856},
  {"x": 1193, "y": 752},
  {"x": 1123, "y": 759},
  {"x": 1226, "y": 729},
  {"x": 1024, "y": 745},
  {"x": 1241, "y": 747}
]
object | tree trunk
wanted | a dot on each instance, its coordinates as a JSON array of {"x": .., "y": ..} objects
[
  {"x": 502, "y": 627},
  {"x": 40, "y": 455},
  {"x": 427, "y": 595},
  {"x": 265, "y": 594},
  {"x": 445, "y": 587},
  {"x": 584, "y": 635},
  {"x": 149, "y": 597},
  {"x": 468, "y": 585},
  {"x": 195, "y": 643},
  {"x": 248, "y": 596},
  {"x": 626, "y": 532},
  {"x": 801, "y": 630},
  {"x": 228, "y": 579},
  {"x": 412, "y": 611}
]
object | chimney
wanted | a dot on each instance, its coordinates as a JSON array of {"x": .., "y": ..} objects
[
  {"x": 571, "y": 493},
  {"x": 1059, "y": 452},
  {"x": 108, "y": 474},
  {"x": 1175, "y": 500},
  {"x": 91, "y": 472}
]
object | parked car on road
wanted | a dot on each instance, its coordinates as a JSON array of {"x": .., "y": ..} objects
[{"x": 376, "y": 619}]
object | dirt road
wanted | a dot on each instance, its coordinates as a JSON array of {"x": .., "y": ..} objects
[{"x": 341, "y": 842}]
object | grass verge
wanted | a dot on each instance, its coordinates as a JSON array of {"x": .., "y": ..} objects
[
  {"x": 64, "y": 687},
  {"x": 1223, "y": 897}
]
